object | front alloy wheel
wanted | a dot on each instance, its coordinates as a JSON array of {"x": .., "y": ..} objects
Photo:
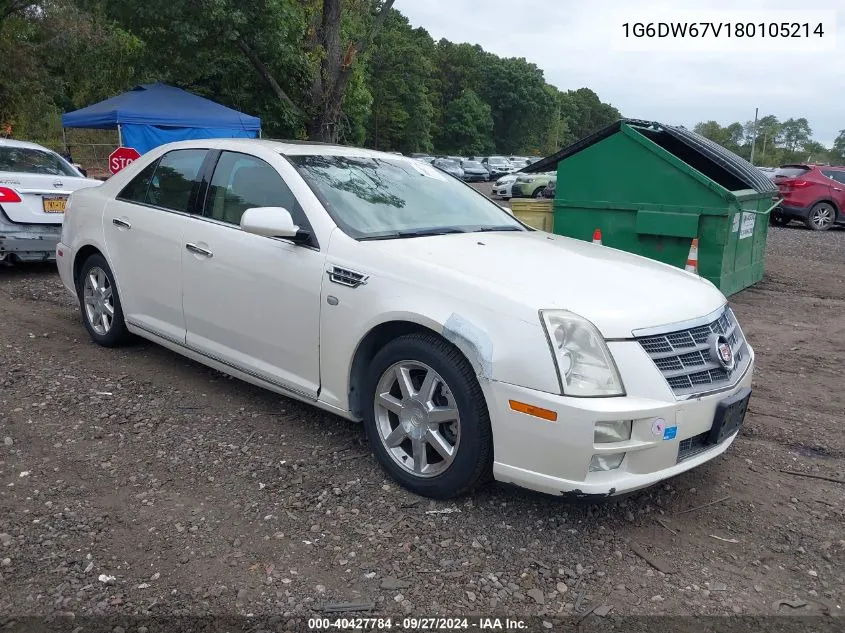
[
  {"x": 417, "y": 420},
  {"x": 427, "y": 419},
  {"x": 822, "y": 216}
]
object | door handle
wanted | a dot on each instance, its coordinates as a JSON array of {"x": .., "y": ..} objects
[
  {"x": 198, "y": 250},
  {"x": 121, "y": 223},
  {"x": 837, "y": 188}
]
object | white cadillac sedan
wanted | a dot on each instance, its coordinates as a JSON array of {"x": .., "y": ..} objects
[{"x": 378, "y": 288}]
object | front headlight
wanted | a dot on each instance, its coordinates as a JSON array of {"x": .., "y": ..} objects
[{"x": 584, "y": 364}]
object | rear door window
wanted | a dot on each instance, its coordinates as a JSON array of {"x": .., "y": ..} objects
[
  {"x": 174, "y": 178},
  {"x": 136, "y": 190},
  {"x": 838, "y": 176}
]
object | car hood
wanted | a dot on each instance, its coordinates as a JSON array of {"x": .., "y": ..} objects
[{"x": 617, "y": 291}]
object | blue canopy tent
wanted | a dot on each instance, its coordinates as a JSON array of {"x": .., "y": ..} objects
[{"x": 150, "y": 115}]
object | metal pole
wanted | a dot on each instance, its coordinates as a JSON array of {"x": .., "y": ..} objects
[
  {"x": 754, "y": 136},
  {"x": 119, "y": 136},
  {"x": 64, "y": 140}
]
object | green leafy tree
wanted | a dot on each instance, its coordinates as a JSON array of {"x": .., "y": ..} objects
[
  {"x": 795, "y": 133},
  {"x": 585, "y": 113},
  {"x": 467, "y": 126},
  {"x": 839, "y": 147},
  {"x": 400, "y": 71}
]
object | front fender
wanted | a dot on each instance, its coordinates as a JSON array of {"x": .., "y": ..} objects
[{"x": 499, "y": 346}]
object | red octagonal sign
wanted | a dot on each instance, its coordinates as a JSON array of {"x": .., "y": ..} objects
[{"x": 121, "y": 157}]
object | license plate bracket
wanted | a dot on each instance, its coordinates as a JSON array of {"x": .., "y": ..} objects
[
  {"x": 730, "y": 414},
  {"x": 54, "y": 204}
]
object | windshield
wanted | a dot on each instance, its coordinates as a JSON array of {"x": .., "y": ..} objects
[
  {"x": 497, "y": 160},
  {"x": 380, "y": 198},
  {"x": 28, "y": 160},
  {"x": 472, "y": 164},
  {"x": 446, "y": 162}
]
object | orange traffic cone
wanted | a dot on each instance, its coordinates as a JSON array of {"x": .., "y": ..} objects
[
  {"x": 692, "y": 258},
  {"x": 597, "y": 237}
]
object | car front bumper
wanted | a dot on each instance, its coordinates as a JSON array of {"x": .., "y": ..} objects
[
  {"x": 554, "y": 457},
  {"x": 503, "y": 191}
]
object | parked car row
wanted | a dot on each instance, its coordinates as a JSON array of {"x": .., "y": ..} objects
[{"x": 477, "y": 168}]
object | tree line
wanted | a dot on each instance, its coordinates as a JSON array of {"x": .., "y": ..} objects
[
  {"x": 775, "y": 143},
  {"x": 348, "y": 71}
]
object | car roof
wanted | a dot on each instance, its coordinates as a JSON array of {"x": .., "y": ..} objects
[
  {"x": 287, "y": 147},
  {"x": 9, "y": 142}
]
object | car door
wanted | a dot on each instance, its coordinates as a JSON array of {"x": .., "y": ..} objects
[
  {"x": 252, "y": 302},
  {"x": 837, "y": 188},
  {"x": 143, "y": 229}
]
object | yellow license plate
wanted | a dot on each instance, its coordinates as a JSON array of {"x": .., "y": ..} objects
[{"x": 54, "y": 205}]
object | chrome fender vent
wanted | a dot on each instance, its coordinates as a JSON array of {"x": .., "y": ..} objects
[{"x": 346, "y": 277}]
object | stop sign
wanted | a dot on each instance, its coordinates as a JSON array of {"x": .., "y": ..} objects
[{"x": 121, "y": 157}]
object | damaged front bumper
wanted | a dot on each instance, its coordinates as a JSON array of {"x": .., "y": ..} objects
[
  {"x": 668, "y": 435},
  {"x": 28, "y": 242}
]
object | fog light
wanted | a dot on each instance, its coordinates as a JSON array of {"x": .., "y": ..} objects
[
  {"x": 616, "y": 431},
  {"x": 606, "y": 462}
]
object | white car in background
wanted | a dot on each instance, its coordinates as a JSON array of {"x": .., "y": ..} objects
[
  {"x": 502, "y": 188},
  {"x": 35, "y": 183},
  {"x": 385, "y": 291}
]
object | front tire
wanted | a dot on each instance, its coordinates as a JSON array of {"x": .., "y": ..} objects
[
  {"x": 427, "y": 419},
  {"x": 538, "y": 193},
  {"x": 821, "y": 216},
  {"x": 99, "y": 303}
]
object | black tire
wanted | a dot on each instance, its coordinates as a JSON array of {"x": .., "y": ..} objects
[
  {"x": 777, "y": 218},
  {"x": 821, "y": 217},
  {"x": 116, "y": 334},
  {"x": 473, "y": 459},
  {"x": 538, "y": 193}
]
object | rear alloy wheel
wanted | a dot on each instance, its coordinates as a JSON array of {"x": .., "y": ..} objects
[
  {"x": 428, "y": 423},
  {"x": 821, "y": 217},
  {"x": 100, "y": 304}
]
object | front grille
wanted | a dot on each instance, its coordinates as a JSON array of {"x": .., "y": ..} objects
[
  {"x": 685, "y": 360},
  {"x": 692, "y": 446}
]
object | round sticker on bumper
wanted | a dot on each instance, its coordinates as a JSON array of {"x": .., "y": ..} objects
[{"x": 657, "y": 427}]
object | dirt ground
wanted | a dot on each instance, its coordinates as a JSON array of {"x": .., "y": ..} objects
[{"x": 134, "y": 481}]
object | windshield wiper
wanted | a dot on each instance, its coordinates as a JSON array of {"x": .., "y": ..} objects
[
  {"x": 398, "y": 235},
  {"x": 489, "y": 229}
]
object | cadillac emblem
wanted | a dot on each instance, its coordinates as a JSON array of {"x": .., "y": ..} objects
[{"x": 721, "y": 352}]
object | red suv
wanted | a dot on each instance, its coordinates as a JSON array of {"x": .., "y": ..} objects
[{"x": 814, "y": 194}]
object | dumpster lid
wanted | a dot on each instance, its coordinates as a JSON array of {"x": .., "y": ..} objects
[{"x": 717, "y": 163}]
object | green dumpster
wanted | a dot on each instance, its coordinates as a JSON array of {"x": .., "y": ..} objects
[{"x": 652, "y": 188}]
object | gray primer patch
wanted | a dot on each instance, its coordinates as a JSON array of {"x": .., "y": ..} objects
[{"x": 473, "y": 342}]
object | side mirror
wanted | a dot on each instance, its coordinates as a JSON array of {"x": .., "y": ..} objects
[{"x": 269, "y": 222}]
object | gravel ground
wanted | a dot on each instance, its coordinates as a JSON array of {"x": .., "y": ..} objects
[{"x": 136, "y": 482}]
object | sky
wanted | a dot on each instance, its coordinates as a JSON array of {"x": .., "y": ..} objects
[{"x": 579, "y": 45}]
